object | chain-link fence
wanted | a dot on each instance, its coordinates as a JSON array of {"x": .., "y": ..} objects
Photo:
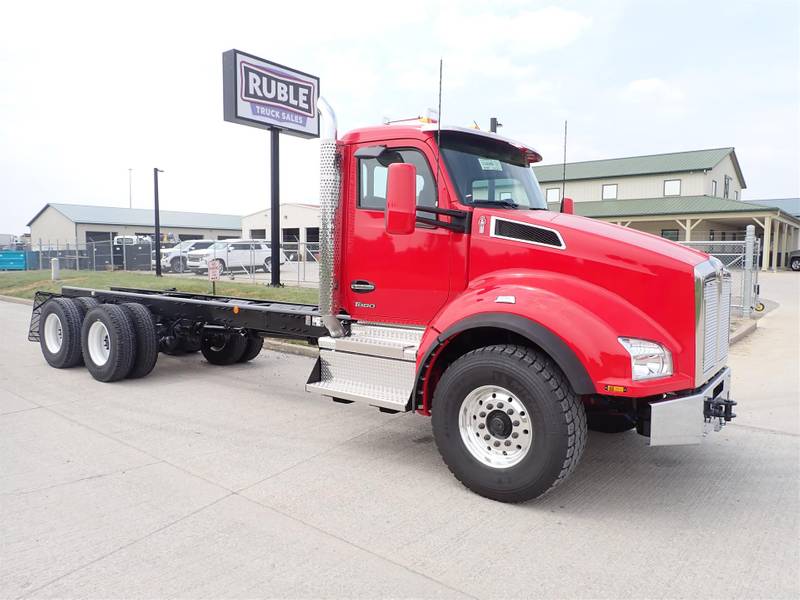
[
  {"x": 239, "y": 260},
  {"x": 742, "y": 259}
]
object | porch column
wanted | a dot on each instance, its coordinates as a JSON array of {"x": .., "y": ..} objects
[
  {"x": 766, "y": 243},
  {"x": 785, "y": 245}
]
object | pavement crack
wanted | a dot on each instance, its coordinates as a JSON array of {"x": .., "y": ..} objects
[{"x": 87, "y": 478}]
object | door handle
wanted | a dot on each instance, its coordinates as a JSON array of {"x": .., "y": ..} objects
[{"x": 361, "y": 286}]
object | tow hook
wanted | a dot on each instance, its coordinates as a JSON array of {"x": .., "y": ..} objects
[{"x": 720, "y": 410}]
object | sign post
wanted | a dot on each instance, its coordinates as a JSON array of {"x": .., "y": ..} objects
[
  {"x": 263, "y": 94},
  {"x": 213, "y": 274}
]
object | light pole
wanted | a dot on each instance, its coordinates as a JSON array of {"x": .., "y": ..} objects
[
  {"x": 157, "y": 221},
  {"x": 130, "y": 188}
]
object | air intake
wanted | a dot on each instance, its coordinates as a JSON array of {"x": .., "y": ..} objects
[{"x": 523, "y": 232}]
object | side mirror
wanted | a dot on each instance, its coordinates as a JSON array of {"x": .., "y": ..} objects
[
  {"x": 401, "y": 199},
  {"x": 567, "y": 206}
]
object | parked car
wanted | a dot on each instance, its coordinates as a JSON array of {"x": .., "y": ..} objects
[
  {"x": 794, "y": 260},
  {"x": 233, "y": 255},
  {"x": 175, "y": 258}
]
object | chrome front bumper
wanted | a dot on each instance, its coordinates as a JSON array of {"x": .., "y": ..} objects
[{"x": 688, "y": 419}]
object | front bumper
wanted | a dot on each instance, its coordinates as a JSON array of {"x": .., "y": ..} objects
[{"x": 687, "y": 419}]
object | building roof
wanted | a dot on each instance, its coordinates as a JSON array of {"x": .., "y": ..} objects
[
  {"x": 789, "y": 205},
  {"x": 267, "y": 209},
  {"x": 673, "y": 205},
  {"x": 673, "y": 162},
  {"x": 141, "y": 217}
]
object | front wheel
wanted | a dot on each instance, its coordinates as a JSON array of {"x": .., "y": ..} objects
[
  {"x": 178, "y": 265},
  {"x": 507, "y": 423},
  {"x": 795, "y": 264}
]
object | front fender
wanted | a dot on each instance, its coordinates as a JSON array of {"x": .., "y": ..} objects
[{"x": 581, "y": 318}]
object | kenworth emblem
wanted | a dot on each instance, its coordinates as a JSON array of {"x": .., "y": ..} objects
[{"x": 364, "y": 305}]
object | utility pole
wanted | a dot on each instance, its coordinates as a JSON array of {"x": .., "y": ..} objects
[
  {"x": 157, "y": 221},
  {"x": 130, "y": 188}
]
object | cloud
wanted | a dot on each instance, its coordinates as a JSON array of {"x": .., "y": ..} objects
[{"x": 655, "y": 94}]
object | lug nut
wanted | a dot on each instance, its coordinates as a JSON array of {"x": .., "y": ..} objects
[
  {"x": 510, "y": 411},
  {"x": 515, "y": 435},
  {"x": 496, "y": 444},
  {"x": 516, "y": 423},
  {"x": 499, "y": 405},
  {"x": 490, "y": 406},
  {"x": 508, "y": 443},
  {"x": 482, "y": 415},
  {"x": 487, "y": 437},
  {"x": 481, "y": 425}
]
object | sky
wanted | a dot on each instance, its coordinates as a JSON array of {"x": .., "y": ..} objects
[{"x": 90, "y": 90}]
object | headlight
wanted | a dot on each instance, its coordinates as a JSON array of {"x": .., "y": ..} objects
[{"x": 648, "y": 359}]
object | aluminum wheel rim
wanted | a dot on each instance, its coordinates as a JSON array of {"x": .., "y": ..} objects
[
  {"x": 53, "y": 333},
  {"x": 99, "y": 343},
  {"x": 478, "y": 419}
]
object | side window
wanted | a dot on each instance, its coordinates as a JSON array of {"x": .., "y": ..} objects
[
  {"x": 201, "y": 245},
  {"x": 240, "y": 246},
  {"x": 373, "y": 173}
]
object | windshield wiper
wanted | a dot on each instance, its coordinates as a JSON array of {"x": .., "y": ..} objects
[{"x": 506, "y": 203}]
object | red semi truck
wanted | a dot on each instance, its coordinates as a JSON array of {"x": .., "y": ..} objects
[{"x": 448, "y": 288}]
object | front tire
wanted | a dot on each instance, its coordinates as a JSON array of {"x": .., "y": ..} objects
[
  {"x": 528, "y": 425},
  {"x": 178, "y": 265},
  {"x": 795, "y": 264},
  {"x": 108, "y": 343}
]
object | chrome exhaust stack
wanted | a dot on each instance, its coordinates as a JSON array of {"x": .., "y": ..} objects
[{"x": 330, "y": 219}]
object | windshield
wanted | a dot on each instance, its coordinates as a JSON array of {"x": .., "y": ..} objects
[
  {"x": 492, "y": 172},
  {"x": 217, "y": 246}
]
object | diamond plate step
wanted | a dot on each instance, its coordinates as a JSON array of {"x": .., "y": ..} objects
[{"x": 376, "y": 364}]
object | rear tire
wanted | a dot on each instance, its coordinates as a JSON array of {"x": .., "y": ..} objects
[
  {"x": 535, "y": 423},
  {"x": 85, "y": 304},
  {"x": 222, "y": 349},
  {"x": 144, "y": 328},
  {"x": 60, "y": 333},
  {"x": 795, "y": 264},
  {"x": 108, "y": 342},
  {"x": 609, "y": 423},
  {"x": 252, "y": 348}
]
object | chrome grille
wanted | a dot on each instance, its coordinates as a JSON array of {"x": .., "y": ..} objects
[{"x": 715, "y": 324}]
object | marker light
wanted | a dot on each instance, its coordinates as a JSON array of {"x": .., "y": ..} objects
[{"x": 648, "y": 359}]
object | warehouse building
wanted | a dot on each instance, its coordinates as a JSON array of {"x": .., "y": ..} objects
[
  {"x": 299, "y": 224},
  {"x": 682, "y": 196},
  {"x": 60, "y": 224}
]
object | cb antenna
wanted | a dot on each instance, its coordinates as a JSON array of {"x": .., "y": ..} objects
[
  {"x": 439, "y": 130},
  {"x": 564, "y": 170}
]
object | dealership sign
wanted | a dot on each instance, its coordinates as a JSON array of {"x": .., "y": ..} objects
[{"x": 264, "y": 94}]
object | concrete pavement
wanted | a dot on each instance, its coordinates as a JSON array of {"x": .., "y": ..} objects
[{"x": 203, "y": 481}]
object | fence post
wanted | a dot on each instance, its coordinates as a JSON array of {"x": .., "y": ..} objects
[
  {"x": 749, "y": 265},
  {"x": 77, "y": 256},
  {"x": 40, "y": 254},
  {"x": 111, "y": 248}
]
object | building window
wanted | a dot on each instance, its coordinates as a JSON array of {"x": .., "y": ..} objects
[
  {"x": 610, "y": 191},
  {"x": 711, "y": 235},
  {"x": 735, "y": 194},
  {"x": 713, "y": 187},
  {"x": 672, "y": 187},
  {"x": 258, "y": 234},
  {"x": 670, "y": 234},
  {"x": 726, "y": 191},
  {"x": 290, "y": 235},
  {"x": 554, "y": 194}
]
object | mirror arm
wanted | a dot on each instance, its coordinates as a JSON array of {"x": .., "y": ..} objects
[{"x": 460, "y": 223}]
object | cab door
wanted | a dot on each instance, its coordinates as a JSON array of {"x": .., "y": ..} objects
[{"x": 392, "y": 278}]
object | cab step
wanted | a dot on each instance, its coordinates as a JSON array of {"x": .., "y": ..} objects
[{"x": 375, "y": 364}]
